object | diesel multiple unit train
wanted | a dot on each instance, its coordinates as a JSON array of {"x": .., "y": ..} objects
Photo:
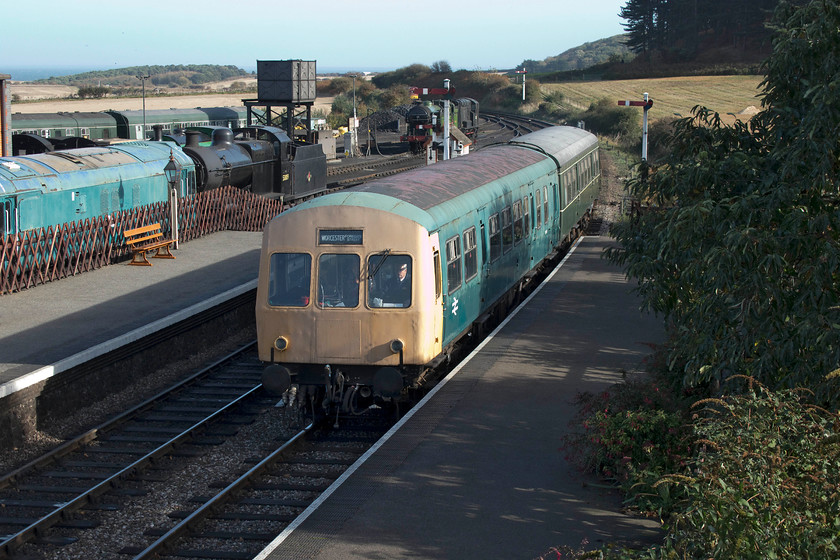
[
  {"x": 57, "y": 187},
  {"x": 360, "y": 292},
  {"x": 423, "y": 119}
]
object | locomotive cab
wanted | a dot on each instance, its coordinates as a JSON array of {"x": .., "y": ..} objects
[{"x": 349, "y": 303}]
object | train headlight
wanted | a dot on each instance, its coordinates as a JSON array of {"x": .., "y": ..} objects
[
  {"x": 281, "y": 343},
  {"x": 397, "y": 346}
]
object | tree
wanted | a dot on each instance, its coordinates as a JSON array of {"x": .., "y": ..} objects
[
  {"x": 441, "y": 66},
  {"x": 741, "y": 253}
]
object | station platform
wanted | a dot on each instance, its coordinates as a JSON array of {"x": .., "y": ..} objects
[
  {"x": 478, "y": 470},
  {"x": 53, "y": 327}
]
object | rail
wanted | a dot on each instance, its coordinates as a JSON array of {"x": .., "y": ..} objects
[{"x": 84, "y": 447}]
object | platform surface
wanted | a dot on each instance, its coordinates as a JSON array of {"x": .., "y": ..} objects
[
  {"x": 53, "y": 326},
  {"x": 479, "y": 472}
]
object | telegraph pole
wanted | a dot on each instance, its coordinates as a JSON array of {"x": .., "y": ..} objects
[{"x": 143, "y": 79}]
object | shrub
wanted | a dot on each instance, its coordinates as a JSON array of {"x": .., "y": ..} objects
[{"x": 764, "y": 483}]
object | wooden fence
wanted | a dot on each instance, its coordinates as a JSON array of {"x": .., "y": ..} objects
[{"x": 42, "y": 255}]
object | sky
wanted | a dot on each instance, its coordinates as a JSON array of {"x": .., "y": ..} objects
[{"x": 360, "y": 35}]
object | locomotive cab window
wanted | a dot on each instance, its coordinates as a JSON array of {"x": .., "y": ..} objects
[
  {"x": 338, "y": 280},
  {"x": 389, "y": 280},
  {"x": 289, "y": 279}
]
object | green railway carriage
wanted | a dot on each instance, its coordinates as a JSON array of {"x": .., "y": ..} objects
[
  {"x": 464, "y": 233},
  {"x": 90, "y": 125}
]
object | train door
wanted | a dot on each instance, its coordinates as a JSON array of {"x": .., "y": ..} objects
[
  {"x": 138, "y": 132},
  {"x": 438, "y": 313}
]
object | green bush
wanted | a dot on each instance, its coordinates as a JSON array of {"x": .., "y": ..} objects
[{"x": 764, "y": 483}]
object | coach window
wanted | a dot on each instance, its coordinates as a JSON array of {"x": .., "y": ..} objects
[
  {"x": 495, "y": 238},
  {"x": 483, "y": 246},
  {"x": 389, "y": 280},
  {"x": 453, "y": 264},
  {"x": 507, "y": 230},
  {"x": 338, "y": 280},
  {"x": 470, "y": 254},
  {"x": 527, "y": 217},
  {"x": 517, "y": 221},
  {"x": 545, "y": 205},
  {"x": 538, "y": 220},
  {"x": 289, "y": 279}
]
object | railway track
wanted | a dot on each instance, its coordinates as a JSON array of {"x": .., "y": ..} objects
[
  {"x": 114, "y": 475},
  {"x": 246, "y": 515},
  {"x": 65, "y": 490}
]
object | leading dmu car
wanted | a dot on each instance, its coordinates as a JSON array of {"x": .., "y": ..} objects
[{"x": 361, "y": 292}]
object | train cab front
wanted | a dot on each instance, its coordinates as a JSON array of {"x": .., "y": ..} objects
[{"x": 344, "y": 323}]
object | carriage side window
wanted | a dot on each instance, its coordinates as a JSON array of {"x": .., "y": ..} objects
[
  {"x": 389, "y": 280},
  {"x": 470, "y": 254},
  {"x": 289, "y": 279},
  {"x": 453, "y": 264},
  {"x": 495, "y": 238},
  {"x": 338, "y": 280},
  {"x": 517, "y": 221},
  {"x": 545, "y": 205},
  {"x": 507, "y": 230},
  {"x": 527, "y": 217},
  {"x": 538, "y": 220},
  {"x": 483, "y": 246}
]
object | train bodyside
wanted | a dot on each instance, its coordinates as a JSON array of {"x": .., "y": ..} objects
[
  {"x": 59, "y": 187},
  {"x": 468, "y": 230},
  {"x": 91, "y": 125}
]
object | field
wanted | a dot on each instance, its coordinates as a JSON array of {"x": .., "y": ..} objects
[
  {"x": 51, "y": 99},
  {"x": 672, "y": 96}
]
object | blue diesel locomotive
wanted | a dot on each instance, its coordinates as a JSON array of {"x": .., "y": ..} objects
[{"x": 361, "y": 292}]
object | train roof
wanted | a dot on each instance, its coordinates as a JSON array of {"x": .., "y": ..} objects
[
  {"x": 432, "y": 195},
  {"x": 54, "y": 170},
  {"x": 61, "y": 120}
]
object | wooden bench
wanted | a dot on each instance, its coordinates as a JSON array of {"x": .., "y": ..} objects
[{"x": 147, "y": 238}]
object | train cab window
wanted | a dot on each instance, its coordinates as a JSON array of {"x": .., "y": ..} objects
[
  {"x": 338, "y": 280},
  {"x": 526, "y": 218},
  {"x": 545, "y": 205},
  {"x": 389, "y": 280},
  {"x": 517, "y": 222},
  {"x": 538, "y": 220},
  {"x": 470, "y": 254},
  {"x": 289, "y": 279},
  {"x": 453, "y": 264},
  {"x": 495, "y": 238},
  {"x": 507, "y": 230}
]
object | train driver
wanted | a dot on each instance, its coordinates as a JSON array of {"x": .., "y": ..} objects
[{"x": 394, "y": 288}]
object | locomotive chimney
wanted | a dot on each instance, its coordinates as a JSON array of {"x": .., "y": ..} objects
[
  {"x": 193, "y": 138},
  {"x": 158, "y": 135}
]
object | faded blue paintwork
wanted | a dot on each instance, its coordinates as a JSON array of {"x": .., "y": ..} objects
[{"x": 58, "y": 187}]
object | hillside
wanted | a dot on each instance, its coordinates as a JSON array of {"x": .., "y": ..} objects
[
  {"x": 611, "y": 49},
  {"x": 173, "y": 75}
]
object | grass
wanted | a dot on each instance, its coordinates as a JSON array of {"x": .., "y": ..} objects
[{"x": 671, "y": 96}]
